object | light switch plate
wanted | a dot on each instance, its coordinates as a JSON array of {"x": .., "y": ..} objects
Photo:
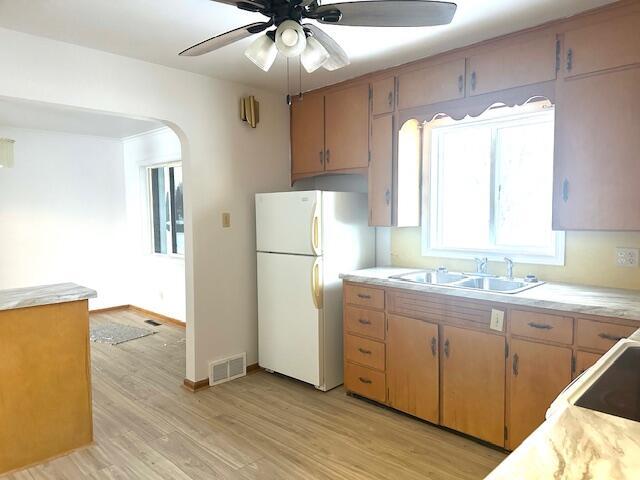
[
  {"x": 226, "y": 220},
  {"x": 497, "y": 320},
  {"x": 627, "y": 257}
]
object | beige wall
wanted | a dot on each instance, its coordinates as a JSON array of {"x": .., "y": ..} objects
[{"x": 590, "y": 259}]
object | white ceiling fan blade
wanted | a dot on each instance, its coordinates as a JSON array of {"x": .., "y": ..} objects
[
  {"x": 224, "y": 39},
  {"x": 338, "y": 57}
]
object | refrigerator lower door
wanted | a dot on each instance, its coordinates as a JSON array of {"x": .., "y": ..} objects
[{"x": 289, "y": 315}]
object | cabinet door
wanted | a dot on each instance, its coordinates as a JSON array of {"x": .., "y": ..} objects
[
  {"x": 537, "y": 375},
  {"x": 381, "y": 171},
  {"x": 383, "y": 96},
  {"x": 610, "y": 44},
  {"x": 585, "y": 360},
  {"x": 347, "y": 128},
  {"x": 473, "y": 383},
  {"x": 307, "y": 134},
  {"x": 596, "y": 167},
  {"x": 520, "y": 63},
  {"x": 438, "y": 83},
  {"x": 412, "y": 367}
]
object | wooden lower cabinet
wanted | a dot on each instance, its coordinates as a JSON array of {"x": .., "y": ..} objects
[
  {"x": 365, "y": 381},
  {"x": 412, "y": 367},
  {"x": 585, "y": 360},
  {"x": 537, "y": 374},
  {"x": 473, "y": 383}
]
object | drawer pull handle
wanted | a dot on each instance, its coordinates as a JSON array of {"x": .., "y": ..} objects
[
  {"x": 364, "y": 352},
  {"x": 515, "y": 364},
  {"x": 540, "y": 326},
  {"x": 608, "y": 336},
  {"x": 364, "y": 321},
  {"x": 446, "y": 348},
  {"x": 366, "y": 297},
  {"x": 434, "y": 346},
  {"x": 364, "y": 380}
]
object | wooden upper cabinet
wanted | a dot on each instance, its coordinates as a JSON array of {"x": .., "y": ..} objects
[
  {"x": 473, "y": 383},
  {"x": 602, "y": 46},
  {"x": 307, "y": 134},
  {"x": 437, "y": 83},
  {"x": 381, "y": 171},
  {"x": 522, "y": 62},
  {"x": 347, "y": 128},
  {"x": 596, "y": 167},
  {"x": 383, "y": 99},
  {"x": 412, "y": 367},
  {"x": 537, "y": 375}
]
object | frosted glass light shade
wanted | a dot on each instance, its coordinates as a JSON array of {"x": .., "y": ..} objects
[
  {"x": 6, "y": 152},
  {"x": 262, "y": 52},
  {"x": 314, "y": 56},
  {"x": 290, "y": 38}
]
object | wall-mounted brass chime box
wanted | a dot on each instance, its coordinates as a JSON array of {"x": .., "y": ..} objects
[{"x": 250, "y": 110}]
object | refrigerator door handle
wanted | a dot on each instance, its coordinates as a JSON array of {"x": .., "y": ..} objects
[
  {"x": 316, "y": 283},
  {"x": 315, "y": 231}
]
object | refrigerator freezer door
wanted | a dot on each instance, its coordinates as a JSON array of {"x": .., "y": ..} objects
[
  {"x": 289, "y": 222},
  {"x": 289, "y": 323}
]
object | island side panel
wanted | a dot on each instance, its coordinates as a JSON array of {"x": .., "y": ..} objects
[{"x": 45, "y": 383}]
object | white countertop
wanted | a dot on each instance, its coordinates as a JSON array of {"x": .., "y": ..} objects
[
  {"x": 605, "y": 302},
  {"x": 44, "y": 295}
]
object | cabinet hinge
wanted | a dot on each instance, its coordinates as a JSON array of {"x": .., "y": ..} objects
[
  {"x": 557, "y": 55},
  {"x": 573, "y": 364},
  {"x": 506, "y": 433},
  {"x": 369, "y": 161},
  {"x": 506, "y": 349},
  {"x": 370, "y": 92}
]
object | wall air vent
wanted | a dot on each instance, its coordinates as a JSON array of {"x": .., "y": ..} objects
[{"x": 226, "y": 369}]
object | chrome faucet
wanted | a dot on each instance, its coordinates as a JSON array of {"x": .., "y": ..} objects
[
  {"x": 481, "y": 265},
  {"x": 509, "y": 267}
]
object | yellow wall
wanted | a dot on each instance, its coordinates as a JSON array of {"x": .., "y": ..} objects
[{"x": 590, "y": 259}]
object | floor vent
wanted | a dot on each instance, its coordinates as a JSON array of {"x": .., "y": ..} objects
[
  {"x": 226, "y": 369},
  {"x": 152, "y": 322}
]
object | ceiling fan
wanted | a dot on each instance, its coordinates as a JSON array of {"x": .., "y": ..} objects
[{"x": 316, "y": 49}]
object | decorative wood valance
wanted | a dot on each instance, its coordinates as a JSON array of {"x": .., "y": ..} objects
[{"x": 476, "y": 105}]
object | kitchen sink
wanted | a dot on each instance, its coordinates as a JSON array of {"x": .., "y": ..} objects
[
  {"x": 470, "y": 281},
  {"x": 431, "y": 277}
]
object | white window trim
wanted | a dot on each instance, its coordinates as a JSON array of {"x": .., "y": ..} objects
[
  {"x": 149, "y": 209},
  {"x": 556, "y": 257}
]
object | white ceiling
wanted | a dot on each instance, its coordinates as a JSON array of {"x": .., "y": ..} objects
[
  {"x": 156, "y": 30},
  {"x": 40, "y": 116}
]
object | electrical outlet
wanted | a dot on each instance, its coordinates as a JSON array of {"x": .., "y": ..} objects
[
  {"x": 497, "y": 320},
  {"x": 627, "y": 257},
  {"x": 226, "y": 220}
]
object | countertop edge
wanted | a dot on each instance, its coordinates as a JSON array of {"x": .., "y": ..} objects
[{"x": 41, "y": 295}]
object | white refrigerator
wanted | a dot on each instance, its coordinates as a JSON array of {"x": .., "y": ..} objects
[{"x": 304, "y": 241}]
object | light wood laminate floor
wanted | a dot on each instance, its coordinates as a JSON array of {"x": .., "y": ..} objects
[{"x": 259, "y": 427}]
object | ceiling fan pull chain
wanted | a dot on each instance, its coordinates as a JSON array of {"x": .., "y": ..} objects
[
  {"x": 300, "y": 77},
  {"x": 288, "y": 85}
]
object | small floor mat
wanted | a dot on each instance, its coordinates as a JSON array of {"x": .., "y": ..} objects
[{"x": 116, "y": 333}]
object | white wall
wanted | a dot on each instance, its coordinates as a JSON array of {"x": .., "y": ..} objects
[
  {"x": 62, "y": 214},
  {"x": 158, "y": 281},
  {"x": 225, "y": 162}
]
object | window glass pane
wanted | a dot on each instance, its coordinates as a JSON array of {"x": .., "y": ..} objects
[
  {"x": 179, "y": 211},
  {"x": 463, "y": 187},
  {"x": 524, "y": 180},
  {"x": 160, "y": 210}
]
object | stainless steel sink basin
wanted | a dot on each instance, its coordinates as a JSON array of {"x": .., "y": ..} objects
[
  {"x": 470, "y": 281},
  {"x": 494, "y": 284},
  {"x": 431, "y": 277}
]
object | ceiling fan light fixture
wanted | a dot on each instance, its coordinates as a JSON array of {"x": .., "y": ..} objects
[
  {"x": 262, "y": 52},
  {"x": 290, "y": 38},
  {"x": 314, "y": 55}
]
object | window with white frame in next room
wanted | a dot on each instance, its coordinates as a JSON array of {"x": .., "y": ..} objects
[
  {"x": 488, "y": 191},
  {"x": 167, "y": 209}
]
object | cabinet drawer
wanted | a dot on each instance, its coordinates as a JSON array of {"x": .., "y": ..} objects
[
  {"x": 364, "y": 322},
  {"x": 364, "y": 352},
  {"x": 542, "y": 326},
  {"x": 364, "y": 296},
  {"x": 365, "y": 382},
  {"x": 599, "y": 335},
  {"x": 584, "y": 360}
]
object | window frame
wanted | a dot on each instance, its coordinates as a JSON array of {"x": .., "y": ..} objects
[
  {"x": 151, "y": 236},
  {"x": 431, "y": 204}
]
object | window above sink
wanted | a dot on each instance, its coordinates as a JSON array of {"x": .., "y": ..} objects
[{"x": 488, "y": 186}]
